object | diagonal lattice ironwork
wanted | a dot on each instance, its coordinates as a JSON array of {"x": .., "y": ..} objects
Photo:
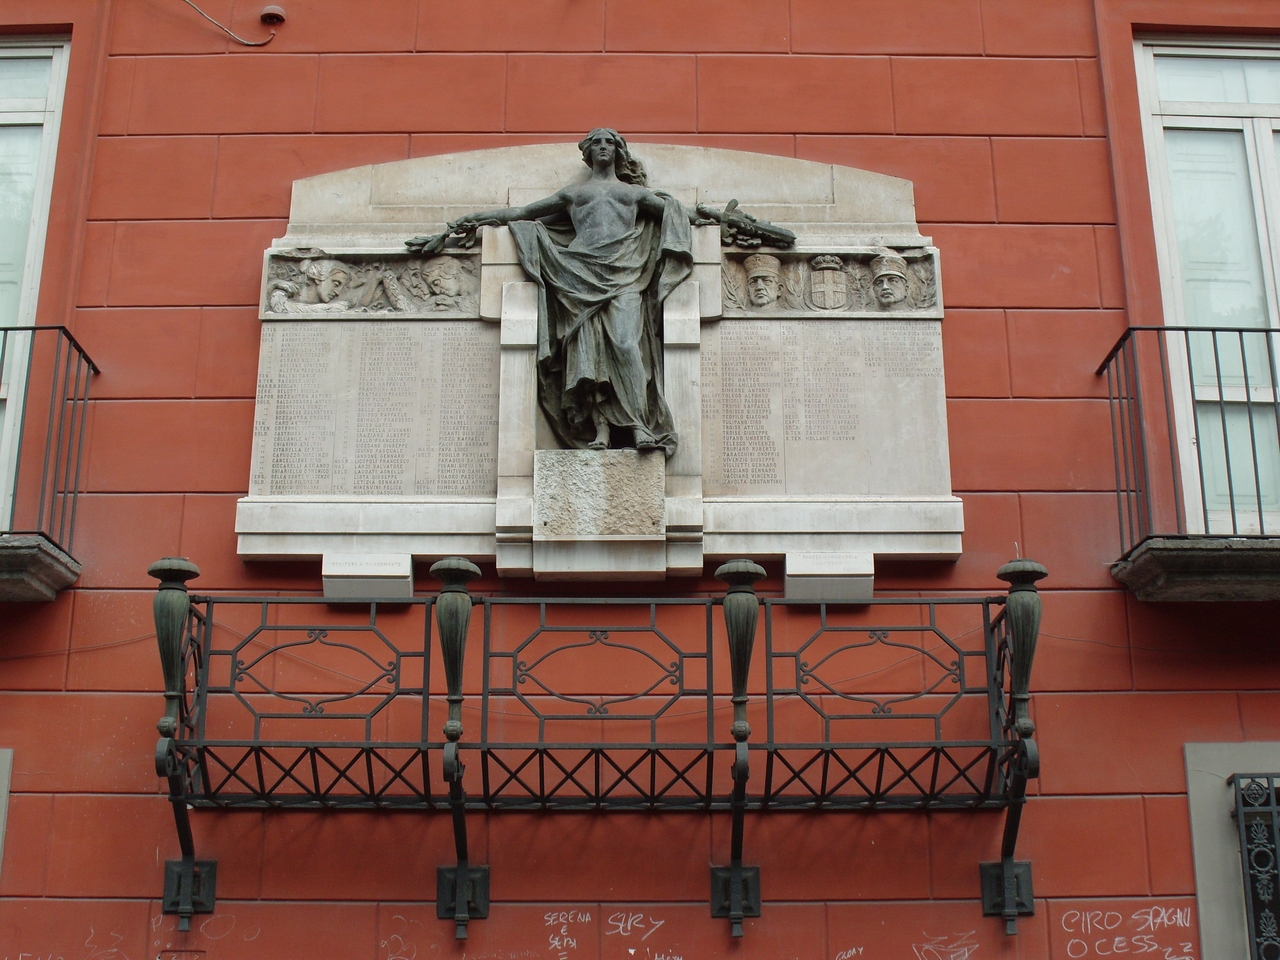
[{"x": 595, "y": 704}]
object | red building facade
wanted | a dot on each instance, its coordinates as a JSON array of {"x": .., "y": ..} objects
[{"x": 1022, "y": 128}]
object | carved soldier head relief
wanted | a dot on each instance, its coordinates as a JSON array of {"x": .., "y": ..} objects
[
  {"x": 889, "y": 279},
  {"x": 763, "y": 279},
  {"x": 445, "y": 277}
]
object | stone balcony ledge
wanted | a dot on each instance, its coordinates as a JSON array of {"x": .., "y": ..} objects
[
  {"x": 32, "y": 568},
  {"x": 1205, "y": 568}
]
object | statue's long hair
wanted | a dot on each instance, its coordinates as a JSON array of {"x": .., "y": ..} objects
[{"x": 627, "y": 168}]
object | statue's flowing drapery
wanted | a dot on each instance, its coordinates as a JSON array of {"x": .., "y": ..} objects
[{"x": 600, "y": 323}]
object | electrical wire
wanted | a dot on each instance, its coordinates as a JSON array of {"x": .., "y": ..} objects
[{"x": 242, "y": 40}]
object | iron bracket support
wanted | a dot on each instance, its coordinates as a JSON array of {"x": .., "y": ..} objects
[
  {"x": 1006, "y": 885},
  {"x": 735, "y": 889},
  {"x": 462, "y": 892},
  {"x": 190, "y": 885},
  {"x": 189, "y": 888}
]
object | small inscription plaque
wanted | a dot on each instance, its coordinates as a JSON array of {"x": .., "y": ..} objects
[
  {"x": 376, "y": 409},
  {"x": 822, "y": 407}
]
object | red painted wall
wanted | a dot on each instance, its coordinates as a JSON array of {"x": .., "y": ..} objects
[{"x": 176, "y": 158}]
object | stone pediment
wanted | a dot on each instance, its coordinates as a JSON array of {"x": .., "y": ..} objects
[
  {"x": 373, "y": 204},
  {"x": 398, "y": 406}
]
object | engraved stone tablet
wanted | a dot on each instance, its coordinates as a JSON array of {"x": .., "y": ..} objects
[
  {"x": 386, "y": 409},
  {"x": 814, "y": 407},
  {"x": 366, "y": 576},
  {"x": 598, "y": 494}
]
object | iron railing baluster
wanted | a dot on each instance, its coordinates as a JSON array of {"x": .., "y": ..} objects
[{"x": 47, "y": 509}]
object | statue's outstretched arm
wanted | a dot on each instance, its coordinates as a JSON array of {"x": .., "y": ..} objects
[
  {"x": 533, "y": 211},
  {"x": 462, "y": 232}
]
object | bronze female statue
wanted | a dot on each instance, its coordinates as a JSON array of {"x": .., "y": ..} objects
[
  {"x": 601, "y": 285},
  {"x": 605, "y": 254}
]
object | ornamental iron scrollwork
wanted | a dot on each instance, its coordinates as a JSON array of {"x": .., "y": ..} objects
[
  {"x": 639, "y": 668},
  {"x": 1256, "y": 818},
  {"x": 244, "y": 671}
]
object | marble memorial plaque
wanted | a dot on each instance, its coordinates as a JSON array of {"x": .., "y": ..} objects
[
  {"x": 816, "y": 367},
  {"x": 823, "y": 407},
  {"x": 373, "y": 410}
]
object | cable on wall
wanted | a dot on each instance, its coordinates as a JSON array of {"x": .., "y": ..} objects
[{"x": 270, "y": 15}]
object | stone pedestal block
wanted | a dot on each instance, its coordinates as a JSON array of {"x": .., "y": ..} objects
[
  {"x": 830, "y": 577},
  {"x": 599, "y": 514}
]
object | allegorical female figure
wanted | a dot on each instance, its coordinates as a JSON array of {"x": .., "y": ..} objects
[{"x": 601, "y": 285}]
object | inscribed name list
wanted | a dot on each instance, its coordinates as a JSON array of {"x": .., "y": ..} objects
[
  {"x": 824, "y": 407},
  {"x": 376, "y": 409}
]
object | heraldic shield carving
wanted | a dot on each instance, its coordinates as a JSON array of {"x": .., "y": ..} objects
[{"x": 828, "y": 285}]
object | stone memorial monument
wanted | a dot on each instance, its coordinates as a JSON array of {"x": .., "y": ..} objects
[{"x": 603, "y": 369}]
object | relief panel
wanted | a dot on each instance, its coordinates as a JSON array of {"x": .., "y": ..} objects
[
  {"x": 871, "y": 282},
  {"x": 321, "y": 285}
]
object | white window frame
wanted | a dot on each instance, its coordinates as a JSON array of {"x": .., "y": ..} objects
[
  {"x": 6, "y": 780},
  {"x": 1215, "y": 839},
  {"x": 46, "y": 113},
  {"x": 1259, "y": 123}
]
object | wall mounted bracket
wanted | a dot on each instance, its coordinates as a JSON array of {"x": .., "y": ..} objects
[
  {"x": 462, "y": 892},
  {"x": 469, "y": 899},
  {"x": 189, "y": 888},
  {"x": 1006, "y": 886},
  {"x": 744, "y": 882},
  {"x": 189, "y": 884},
  {"x": 735, "y": 889}
]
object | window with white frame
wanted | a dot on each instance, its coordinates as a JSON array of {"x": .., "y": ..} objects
[
  {"x": 1212, "y": 127},
  {"x": 32, "y": 81}
]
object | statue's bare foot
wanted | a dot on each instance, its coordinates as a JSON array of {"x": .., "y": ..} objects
[
  {"x": 645, "y": 441},
  {"x": 601, "y": 442}
]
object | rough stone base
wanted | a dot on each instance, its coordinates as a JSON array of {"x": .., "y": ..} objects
[
  {"x": 31, "y": 568},
  {"x": 599, "y": 515},
  {"x": 589, "y": 494},
  {"x": 1202, "y": 568}
]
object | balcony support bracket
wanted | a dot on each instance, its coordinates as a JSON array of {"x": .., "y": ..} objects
[
  {"x": 735, "y": 889},
  {"x": 1006, "y": 885},
  {"x": 462, "y": 892},
  {"x": 189, "y": 884}
]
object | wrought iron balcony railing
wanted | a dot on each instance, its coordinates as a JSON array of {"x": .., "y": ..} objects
[
  {"x": 1195, "y": 415},
  {"x": 44, "y": 392},
  {"x": 598, "y": 704}
]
